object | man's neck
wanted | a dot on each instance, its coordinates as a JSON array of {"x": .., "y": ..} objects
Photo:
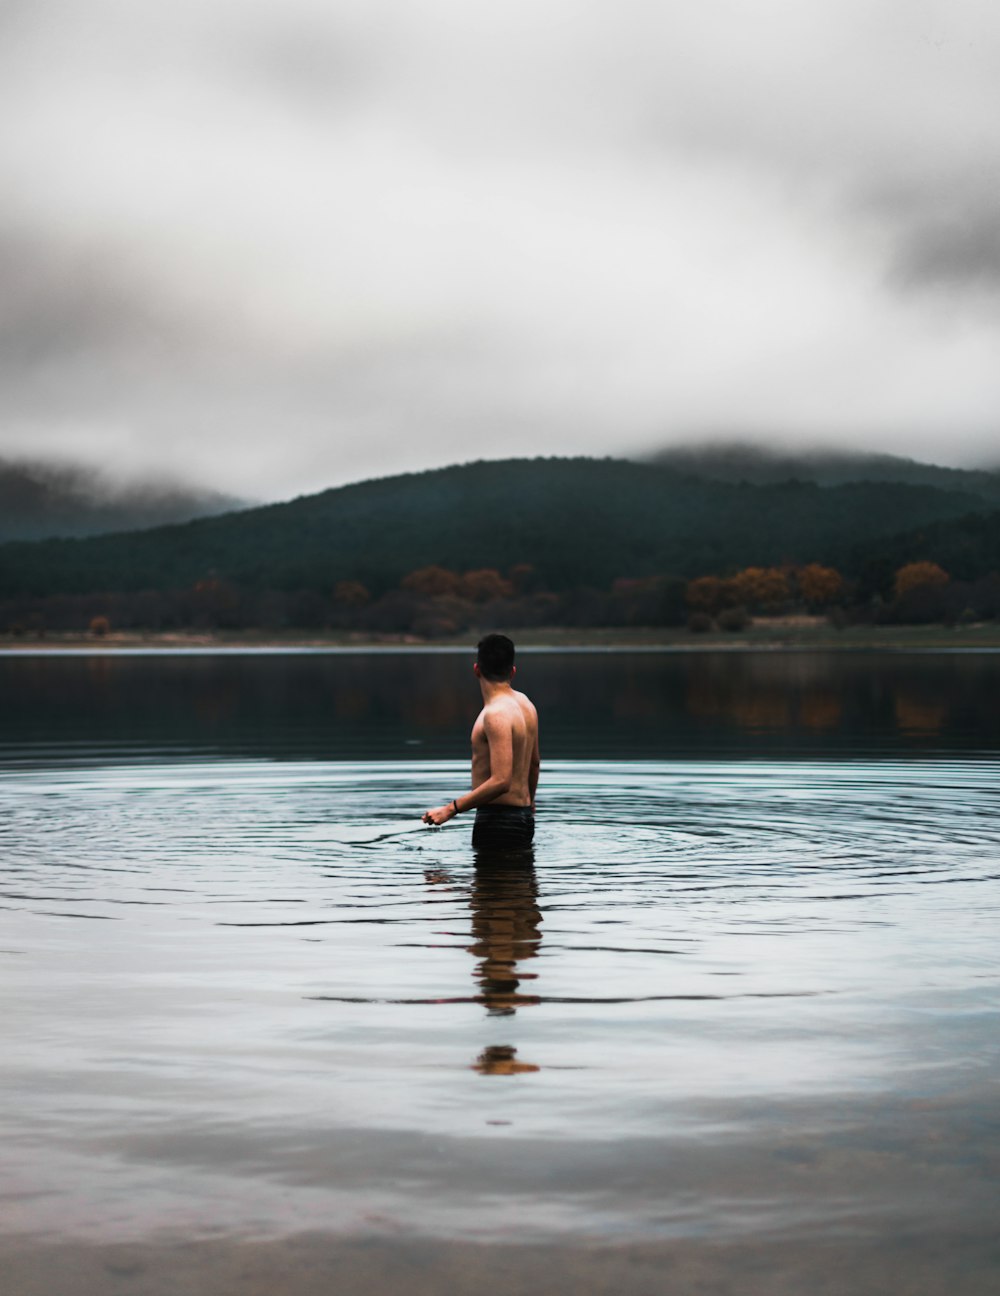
[{"x": 491, "y": 688}]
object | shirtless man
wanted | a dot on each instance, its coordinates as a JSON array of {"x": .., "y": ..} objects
[{"x": 505, "y": 760}]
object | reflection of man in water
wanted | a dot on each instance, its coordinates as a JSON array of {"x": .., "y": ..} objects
[
  {"x": 505, "y": 759},
  {"x": 506, "y": 929},
  {"x": 506, "y": 933}
]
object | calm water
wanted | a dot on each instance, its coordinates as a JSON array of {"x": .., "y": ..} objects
[{"x": 746, "y": 988}]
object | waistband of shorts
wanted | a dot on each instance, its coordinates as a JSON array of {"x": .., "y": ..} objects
[{"x": 511, "y": 811}]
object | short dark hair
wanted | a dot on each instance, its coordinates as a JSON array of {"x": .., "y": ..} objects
[{"x": 495, "y": 655}]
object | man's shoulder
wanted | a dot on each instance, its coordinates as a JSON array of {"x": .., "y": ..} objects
[
  {"x": 526, "y": 705},
  {"x": 509, "y": 705}
]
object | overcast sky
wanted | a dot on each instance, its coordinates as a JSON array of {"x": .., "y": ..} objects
[{"x": 282, "y": 244}]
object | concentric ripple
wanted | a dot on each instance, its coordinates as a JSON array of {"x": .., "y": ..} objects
[{"x": 720, "y": 996}]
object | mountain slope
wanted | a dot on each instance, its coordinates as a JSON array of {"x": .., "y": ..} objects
[
  {"x": 579, "y": 522},
  {"x": 745, "y": 462},
  {"x": 968, "y": 548},
  {"x": 39, "y": 500}
]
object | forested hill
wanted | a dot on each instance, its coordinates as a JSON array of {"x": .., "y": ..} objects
[
  {"x": 577, "y": 522},
  {"x": 968, "y": 548},
  {"x": 759, "y": 465},
  {"x": 41, "y": 499}
]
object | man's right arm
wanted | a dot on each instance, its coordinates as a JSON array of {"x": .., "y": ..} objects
[
  {"x": 501, "y": 744},
  {"x": 533, "y": 769}
]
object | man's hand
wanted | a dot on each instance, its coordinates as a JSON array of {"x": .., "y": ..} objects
[{"x": 441, "y": 815}]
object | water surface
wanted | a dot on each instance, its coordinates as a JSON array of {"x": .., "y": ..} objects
[{"x": 745, "y": 990}]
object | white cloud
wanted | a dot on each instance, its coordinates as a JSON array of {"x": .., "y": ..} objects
[{"x": 301, "y": 243}]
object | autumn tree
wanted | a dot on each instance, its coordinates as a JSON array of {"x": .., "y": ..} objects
[
  {"x": 100, "y": 627},
  {"x": 484, "y": 584},
  {"x": 766, "y": 588},
  {"x": 919, "y": 575},
  {"x": 431, "y": 581},
  {"x": 820, "y": 586}
]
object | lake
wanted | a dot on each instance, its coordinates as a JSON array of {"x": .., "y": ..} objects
[{"x": 732, "y": 1027}]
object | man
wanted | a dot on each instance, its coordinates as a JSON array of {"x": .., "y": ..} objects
[{"x": 505, "y": 759}]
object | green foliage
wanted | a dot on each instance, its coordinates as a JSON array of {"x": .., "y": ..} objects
[
  {"x": 746, "y": 462},
  {"x": 968, "y": 548}
]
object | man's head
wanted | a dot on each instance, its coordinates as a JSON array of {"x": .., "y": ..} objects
[{"x": 495, "y": 658}]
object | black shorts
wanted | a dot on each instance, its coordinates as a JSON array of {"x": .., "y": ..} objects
[{"x": 503, "y": 828}]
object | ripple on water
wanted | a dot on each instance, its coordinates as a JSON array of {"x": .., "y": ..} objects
[{"x": 764, "y": 957}]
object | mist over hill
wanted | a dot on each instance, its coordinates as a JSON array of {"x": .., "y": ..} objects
[
  {"x": 742, "y": 461},
  {"x": 578, "y": 523},
  {"x": 40, "y": 500}
]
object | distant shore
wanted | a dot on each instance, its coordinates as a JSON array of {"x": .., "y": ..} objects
[{"x": 774, "y": 634}]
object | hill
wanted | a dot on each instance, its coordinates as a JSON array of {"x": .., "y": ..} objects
[
  {"x": 744, "y": 462},
  {"x": 968, "y": 548},
  {"x": 39, "y": 500},
  {"x": 577, "y": 522}
]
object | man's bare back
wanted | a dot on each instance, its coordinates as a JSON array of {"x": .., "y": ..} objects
[
  {"x": 508, "y": 718},
  {"x": 505, "y": 756}
]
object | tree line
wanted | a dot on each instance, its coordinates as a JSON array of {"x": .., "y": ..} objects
[
  {"x": 524, "y": 543},
  {"x": 435, "y": 602}
]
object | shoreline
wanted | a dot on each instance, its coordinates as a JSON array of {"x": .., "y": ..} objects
[{"x": 775, "y": 635}]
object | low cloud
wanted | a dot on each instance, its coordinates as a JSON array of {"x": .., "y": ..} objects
[
  {"x": 953, "y": 246},
  {"x": 285, "y": 246}
]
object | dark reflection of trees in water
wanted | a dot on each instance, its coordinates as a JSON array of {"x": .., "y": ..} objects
[
  {"x": 761, "y": 693},
  {"x": 816, "y": 693},
  {"x": 637, "y": 706},
  {"x": 921, "y": 714}
]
